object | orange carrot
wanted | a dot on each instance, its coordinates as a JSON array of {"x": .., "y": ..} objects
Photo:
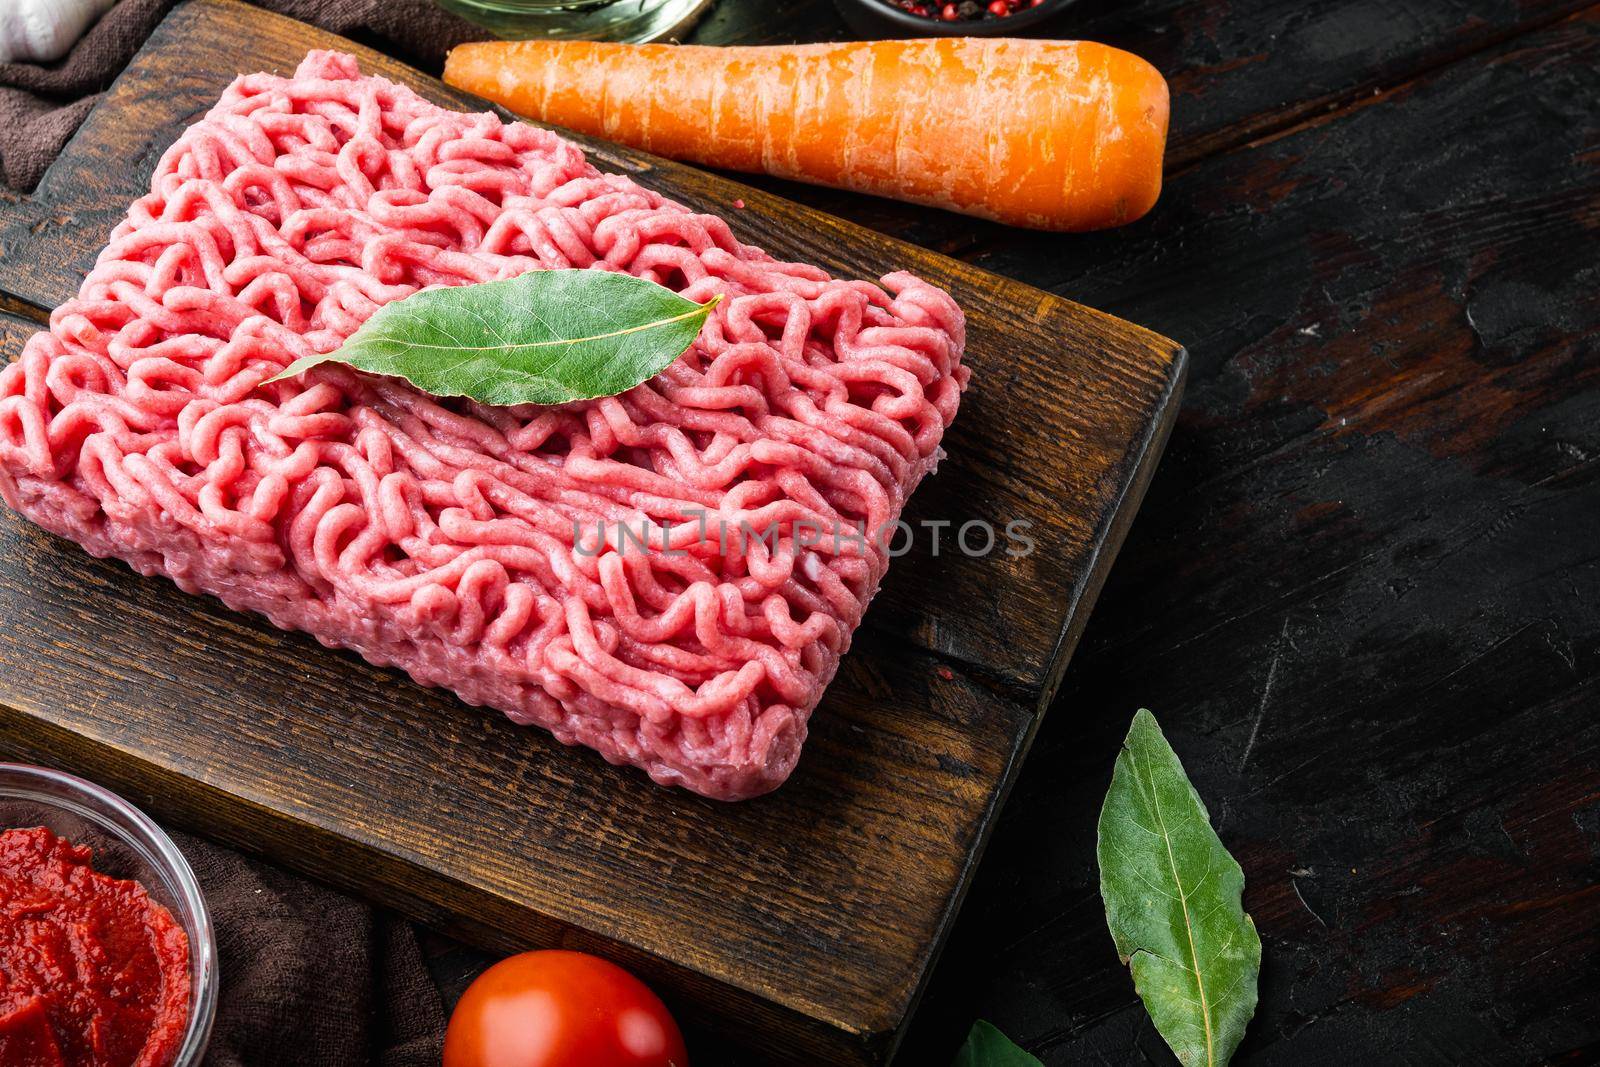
[{"x": 1056, "y": 135}]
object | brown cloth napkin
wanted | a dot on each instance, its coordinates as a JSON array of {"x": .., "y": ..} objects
[
  {"x": 310, "y": 976},
  {"x": 41, "y": 105}
]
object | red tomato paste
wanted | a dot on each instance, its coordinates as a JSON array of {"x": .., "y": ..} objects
[{"x": 93, "y": 973}]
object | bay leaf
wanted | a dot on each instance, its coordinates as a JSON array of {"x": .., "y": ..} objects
[
  {"x": 544, "y": 337},
  {"x": 986, "y": 1046},
  {"x": 1172, "y": 899}
]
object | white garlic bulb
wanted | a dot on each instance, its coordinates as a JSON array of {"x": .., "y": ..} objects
[{"x": 41, "y": 31}]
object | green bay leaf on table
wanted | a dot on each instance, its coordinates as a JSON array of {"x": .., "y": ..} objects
[
  {"x": 1172, "y": 898},
  {"x": 544, "y": 337},
  {"x": 986, "y": 1046}
]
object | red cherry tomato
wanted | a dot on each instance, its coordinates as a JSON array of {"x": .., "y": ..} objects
[{"x": 561, "y": 1009}]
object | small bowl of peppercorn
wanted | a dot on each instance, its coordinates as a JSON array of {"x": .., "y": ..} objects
[{"x": 948, "y": 18}]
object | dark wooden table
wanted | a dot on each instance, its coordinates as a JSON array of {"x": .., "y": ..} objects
[{"x": 1363, "y": 595}]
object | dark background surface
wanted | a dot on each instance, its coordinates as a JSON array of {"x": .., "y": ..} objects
[{"x": 1362, "y": 593}]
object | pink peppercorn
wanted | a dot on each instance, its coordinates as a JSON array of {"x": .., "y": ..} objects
[{"x": 964, "y": 10}]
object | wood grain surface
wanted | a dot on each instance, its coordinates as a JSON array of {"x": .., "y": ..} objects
[
  {"x": 803, "y": 923},
  {"x": 1363, "y": 593},
  {"x": 1240, "y": 71}
]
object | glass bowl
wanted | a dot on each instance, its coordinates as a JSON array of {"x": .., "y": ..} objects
[
  {"x": 585, "y": 20},
  {"x": 126, "y": 844}
]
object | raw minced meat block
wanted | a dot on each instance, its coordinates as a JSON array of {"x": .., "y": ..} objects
[{"x": 668, "y": 576}]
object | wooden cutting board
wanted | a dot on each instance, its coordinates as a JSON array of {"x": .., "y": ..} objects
[{"x": 803, "y": 923}]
